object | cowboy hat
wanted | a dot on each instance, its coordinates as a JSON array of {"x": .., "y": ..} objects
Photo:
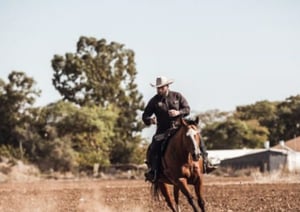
[{"x": 161, "y": 81}]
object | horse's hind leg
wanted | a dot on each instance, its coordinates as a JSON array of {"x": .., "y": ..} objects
[
  {"x": 176, "y": 197},
  {"x": 166, "y": 193},
  {"x": 199, "y": 192}
]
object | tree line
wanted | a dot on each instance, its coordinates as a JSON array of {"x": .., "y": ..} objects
[
  {"x": 249, "y": 126},
  {"x": 98, "y": 119}
]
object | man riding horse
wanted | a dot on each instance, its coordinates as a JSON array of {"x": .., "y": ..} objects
[{"x": 167, "y": 106}]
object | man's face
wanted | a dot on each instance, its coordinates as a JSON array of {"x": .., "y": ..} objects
[{"x": 163, "y": 90}]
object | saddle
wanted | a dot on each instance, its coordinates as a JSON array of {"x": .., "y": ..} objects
[{"x": 164, "y": 138}]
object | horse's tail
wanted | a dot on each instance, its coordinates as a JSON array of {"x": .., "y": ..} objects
[{"x": 155, "y": 190}]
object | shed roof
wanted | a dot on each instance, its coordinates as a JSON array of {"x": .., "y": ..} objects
[
  {"x": 293, "y": 144},
  {"x": 216, "y": 156}
]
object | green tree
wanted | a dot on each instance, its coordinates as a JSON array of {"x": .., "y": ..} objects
[
  {"x": 212, "y": 116},
  {"x": 41, "y": 144},
  {"x": 288, "y": 122},
  {"x": 74, "y": 136},
  {"x": 263, "y": 111},
  {"x": 233, "y": 133},
  {"x": 103, "y": 74},
  {"x": 92, "y": 132},
  {"x": 281, "y": 118},
  {"x": 16, "y": 97},
  {"x": 266, "y": 113}
]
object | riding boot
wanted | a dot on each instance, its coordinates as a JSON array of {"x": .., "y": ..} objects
[
  {"x": 207, "y": 166},
  {"x": 151, "y": 175}
]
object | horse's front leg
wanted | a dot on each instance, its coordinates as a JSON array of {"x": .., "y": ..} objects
[
  {"x": 183, "y": 185},
  {"x": 198, "y": 186},
  {"x": 166, "y": 193}
]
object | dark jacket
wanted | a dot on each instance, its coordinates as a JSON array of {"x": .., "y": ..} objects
[{"x": 159, "y": 106}]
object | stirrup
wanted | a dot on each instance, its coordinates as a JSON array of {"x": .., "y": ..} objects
[{"x": 208, "y": 168}]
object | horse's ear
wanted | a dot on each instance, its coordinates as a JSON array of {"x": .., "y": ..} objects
[{"x": 197, "y": 120}]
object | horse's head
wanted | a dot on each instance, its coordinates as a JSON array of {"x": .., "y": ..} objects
[{"x": 192, "y": 138}]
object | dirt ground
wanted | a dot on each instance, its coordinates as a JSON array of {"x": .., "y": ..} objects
[{"x": 221, "y": 194}]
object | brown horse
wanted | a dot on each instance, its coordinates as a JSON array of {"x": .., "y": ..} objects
[{"x": 182, "y": 165}]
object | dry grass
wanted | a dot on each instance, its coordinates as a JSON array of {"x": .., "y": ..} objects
[
  {"x": 276, "y": 177},
  {"x": 258, "y": 177}
]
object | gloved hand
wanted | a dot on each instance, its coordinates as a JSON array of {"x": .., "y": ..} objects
[
  {"x": 173, "y": 113},
  {"x": 153, "y": 120}
]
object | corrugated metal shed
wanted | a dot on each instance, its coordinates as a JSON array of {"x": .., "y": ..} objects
[
  {"x": 292, "y": 149},
  {"x": 216, "y": 156},
  {"x": 265, "y": 160}
]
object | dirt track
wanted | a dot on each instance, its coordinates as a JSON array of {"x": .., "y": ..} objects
[{"x": 134, "y": 195}]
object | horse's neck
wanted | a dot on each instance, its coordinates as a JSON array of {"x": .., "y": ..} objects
[{"x": 176, "y": 144}]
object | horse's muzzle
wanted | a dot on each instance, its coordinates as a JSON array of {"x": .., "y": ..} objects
[{"x": 196, "y": 156}]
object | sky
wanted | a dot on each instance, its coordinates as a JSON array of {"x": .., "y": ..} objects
[{"x": 220, "y": 53}]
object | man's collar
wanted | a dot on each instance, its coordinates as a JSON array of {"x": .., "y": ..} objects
[{"x": 167, "y": 94}]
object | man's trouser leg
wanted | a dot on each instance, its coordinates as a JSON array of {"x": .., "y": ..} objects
[
  {"x": 204, "y": 155},
  {"x": 154, "y": 160}
]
